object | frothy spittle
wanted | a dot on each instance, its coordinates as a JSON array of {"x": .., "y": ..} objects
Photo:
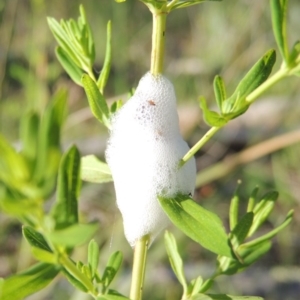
[{"x": 143, "y": 153}]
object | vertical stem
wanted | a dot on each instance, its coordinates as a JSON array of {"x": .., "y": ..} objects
[
  {"x": 158, "y": 41},
  {"x": 138, "y": 272}
]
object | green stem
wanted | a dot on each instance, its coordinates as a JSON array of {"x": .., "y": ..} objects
[
  {"x": 138, "y": 272},
  {"x": 158, "y": 41},
  {"x": 211, "y": 132}
]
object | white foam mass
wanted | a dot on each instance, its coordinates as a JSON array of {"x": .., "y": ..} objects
[{"x": 143, "y": 153}]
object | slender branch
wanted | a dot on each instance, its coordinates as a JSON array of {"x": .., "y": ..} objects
[
  {"x": 138, "y": 272},
  {"x": 158, "y": 41},
  {"x": 252, "y": 153},
  {"x": 211, "y": 132}
]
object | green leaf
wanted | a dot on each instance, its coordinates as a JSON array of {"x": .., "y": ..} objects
[
  {"x": 44, "y": 256},
  {"x": 94, "y": 170},
  {"x": 68, "y": 64},
  {"x": 195, "y": 285},
  {"x": 49, "y": 152},
  {"x": 212, "y": 118},
  {"x": 250, "y": 253},
  {"x": 234, "y": 208},
  {"x": 220, "y": 91},
  {"x": 96, "y": 100},
  {"x": 12, "y": 165},
  {"x": 116, "y": 106},
  {"x": 35, "y": 239},
  {"x": 262, "y": 210},
  {"x": 65, "y": 211},
  {"x": 63, "y": 40},
  {"x": 112, "y": 267},
  {"x": 273, "y": 232},
  {"x": 102, "y": 80},
  {"x": 76, "y": 283},
  {"x": 240, "y": 232},
  {"x": 279, "y": 10},
  {"x": 223, "y": 297},
  {"x": 93, "y": 257},
  {"x": 28, "y": 282},
  {"x": 252, "y": 200},
  {"x": 30, "y": 123},
  {"x": 175, "y": 259},
  {"x": 199, "y": 224},
  {"x": 237, "y": 104},
  {"x": 74, "y": 235}
]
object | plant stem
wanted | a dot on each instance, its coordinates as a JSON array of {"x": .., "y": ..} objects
[
  {"x": 138, "y": 272},
  {"x": 158, "y": 41},
  {"x": 211, "y": 132}
]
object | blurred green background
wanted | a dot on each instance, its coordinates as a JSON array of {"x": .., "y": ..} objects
[{"x": 223, "y": 38}]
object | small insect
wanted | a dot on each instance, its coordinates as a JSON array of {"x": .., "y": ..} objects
[{"x": 151, "y": 102}]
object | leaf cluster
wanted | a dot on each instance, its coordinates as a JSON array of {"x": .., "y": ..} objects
[
  {"x": 53, "y": 238},
  {"x": 76, "y": 53},
  {"x": 236, "y": 250}
]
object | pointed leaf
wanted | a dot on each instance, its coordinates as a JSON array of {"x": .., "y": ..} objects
[
  {"x": 240, "y": 232},
  {"x": 175, "y": 259},
  {"x": 76, "y": 283},
  {"x": 35, "y": 239},
  {"x": 68, "y": 64},
  {"x": 252, "y": 200},
  {"x": 29, "y": 134},
  {"x": 49, "y": 152},
  {"x": 28, "y": 282},
  {"x": 273, "y": 232},
  {"x": 220, "y": 91},
  {"x": 278, "y": 10},
  {"x": 96, "y": 100},
  {"x": 112, "y": 267},
  {"x": 102, "y": 80},
  {"x": 251, "y": 253},
  {"x": 74, "y": 235},
  {"x": 199, "y": 224},
  {"x": 262, "y": 210},
  {"x": 237, "y": 103},
  {"x": 93, "y": 257},
  {"x": 94, "y": 170},
  {"x": 195, "y": 285},
  {"x": 65, "y": 211},
  {"x": 234, "y": 208}
]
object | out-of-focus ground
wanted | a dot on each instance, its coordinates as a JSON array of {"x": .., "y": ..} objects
[{"x": 223, "y": 38}]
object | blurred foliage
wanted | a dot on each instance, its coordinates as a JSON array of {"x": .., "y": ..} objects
[{"x": 223, "y": 38}]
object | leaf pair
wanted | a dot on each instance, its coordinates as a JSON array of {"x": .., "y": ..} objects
[
  {"x": 245, "y": 227},
  {"x": 235, "y": 105}
]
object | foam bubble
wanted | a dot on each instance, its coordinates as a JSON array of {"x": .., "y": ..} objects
[{"x": 143, "y": 152}]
